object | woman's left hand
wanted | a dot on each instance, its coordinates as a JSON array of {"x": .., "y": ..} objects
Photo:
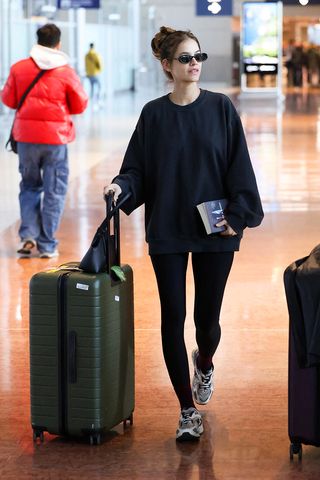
[{"x": 228, "y": 232}]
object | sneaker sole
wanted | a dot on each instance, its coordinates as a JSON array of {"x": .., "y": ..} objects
[
  {"x": 24, "y": 256},
  {"x": 187, "y": 437}
]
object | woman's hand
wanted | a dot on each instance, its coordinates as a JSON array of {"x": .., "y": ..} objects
[
  {"x": 228, "y": 232},
  {"x": 115, "y": 188}
]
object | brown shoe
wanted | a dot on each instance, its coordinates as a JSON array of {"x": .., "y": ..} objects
[{"x": 26, "y": 246}]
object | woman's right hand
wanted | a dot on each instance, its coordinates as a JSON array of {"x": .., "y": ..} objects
[
  {"x": 228, "y": 232},
  {"x": 115, "y": 188}
]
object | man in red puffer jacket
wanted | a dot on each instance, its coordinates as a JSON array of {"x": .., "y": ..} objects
[{"x": 42, "y": 128}]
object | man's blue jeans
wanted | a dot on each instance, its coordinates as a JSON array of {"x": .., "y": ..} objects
[{"x": 43, "y": 187}]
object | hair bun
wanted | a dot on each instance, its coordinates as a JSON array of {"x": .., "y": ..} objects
[{"x": 158, "y": 40}]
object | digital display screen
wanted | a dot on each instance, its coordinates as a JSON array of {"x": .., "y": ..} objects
[
  {"x": 314, "y": 34},
  {"x": 260, "y": 34}
]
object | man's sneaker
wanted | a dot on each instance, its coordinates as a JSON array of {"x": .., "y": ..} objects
[
  {"x": 202, "y": 383},
  {"x": 26, "y": 246},
  {"x": 190, "y": 425},
  {"x": 53, "y": 254}
]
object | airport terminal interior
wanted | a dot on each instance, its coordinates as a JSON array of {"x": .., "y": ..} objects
[{"x": 246, "y": 422}]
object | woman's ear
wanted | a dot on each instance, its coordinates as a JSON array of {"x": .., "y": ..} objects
[{"x": 166, "y": 65}]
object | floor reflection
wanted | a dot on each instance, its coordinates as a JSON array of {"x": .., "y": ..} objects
[{"x": 196, "y": 458}]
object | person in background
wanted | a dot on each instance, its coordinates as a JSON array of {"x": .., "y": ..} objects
[
  {"x": 288, "y": 62},
  {"x": 43, "y": 127},
  {"x": 313, "y": 64},
  {"x": 93, "y": 69},
  {"x": 299, "y": 62},
  {"x": 189, "y": 147}
]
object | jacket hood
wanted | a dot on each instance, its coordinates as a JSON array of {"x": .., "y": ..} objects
[{"x": 48, "y": 58}]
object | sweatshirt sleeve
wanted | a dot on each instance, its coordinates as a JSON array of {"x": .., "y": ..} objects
[
  {"x": 131, "y": 175},
  {"x": 244, "y": 208}
]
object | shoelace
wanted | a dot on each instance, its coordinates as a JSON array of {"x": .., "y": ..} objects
[
  {"x": 206, "y": 380},
  {"x": 186, "y": 417},
  {"x": 187, "y": 421}
]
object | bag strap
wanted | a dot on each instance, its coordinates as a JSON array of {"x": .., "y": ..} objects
[
  {"x": 113, "y": 246},
  {"x": 22, "y": 99},
  {"x": 30, "y": 87},
  {"x": 112, "y": 210}
]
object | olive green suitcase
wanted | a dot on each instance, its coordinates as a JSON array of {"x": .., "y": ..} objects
[{"x": 81, "y": 351}]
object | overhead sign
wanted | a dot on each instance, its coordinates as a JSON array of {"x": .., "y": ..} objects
[
  {"x": 65, "y": 4},
  {"x": 214, "y": 8}
]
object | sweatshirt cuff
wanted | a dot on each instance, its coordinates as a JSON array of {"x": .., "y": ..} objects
[
  {"x": 127, "y": 207},
  {"x": 236, "y": 223},
  {"x": 123, "y": 185}
]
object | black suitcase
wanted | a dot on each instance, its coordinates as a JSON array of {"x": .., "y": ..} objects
[
  {"x": 302, "y": 287},
  {"x": 82, "y": 348}
]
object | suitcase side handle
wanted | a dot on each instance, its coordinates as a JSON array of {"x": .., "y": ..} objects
[{"x": 72, "y": 356}]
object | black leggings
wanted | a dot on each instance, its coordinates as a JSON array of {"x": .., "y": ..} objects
[{"x": 210, "y": 272}]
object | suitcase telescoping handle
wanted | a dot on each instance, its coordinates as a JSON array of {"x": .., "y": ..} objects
[
  {"x": 104, "y": 251},
  {"x": 112, "y": 212}
]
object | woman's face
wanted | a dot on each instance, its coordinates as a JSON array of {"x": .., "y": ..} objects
[{"x": 184, "y": 72}]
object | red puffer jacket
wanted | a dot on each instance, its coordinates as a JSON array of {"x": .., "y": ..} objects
[{"x": 45, "y": 114}]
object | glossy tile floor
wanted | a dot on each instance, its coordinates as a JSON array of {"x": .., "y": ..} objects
[{"x": 246, "y": 421}]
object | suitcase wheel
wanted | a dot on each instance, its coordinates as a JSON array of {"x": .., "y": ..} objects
[
  {"x": 129, "y": 419},
  {"x": 38, "y": 434},
  {"x": 95, "y": 439},
  {"x": 295, "y": 449}
]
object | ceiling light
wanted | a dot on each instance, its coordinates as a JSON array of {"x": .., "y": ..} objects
[{"x": 114, "y": 16}]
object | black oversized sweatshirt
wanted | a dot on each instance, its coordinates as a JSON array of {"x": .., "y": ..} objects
[{"x": 180, "y": 156}]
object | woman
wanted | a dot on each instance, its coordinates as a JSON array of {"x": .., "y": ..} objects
[{"x": 189, "y": 147}]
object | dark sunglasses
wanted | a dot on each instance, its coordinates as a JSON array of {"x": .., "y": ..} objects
[{"x": 185, "y": 58}]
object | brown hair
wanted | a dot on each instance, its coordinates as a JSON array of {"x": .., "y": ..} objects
[{"x": 165, "y": 43}]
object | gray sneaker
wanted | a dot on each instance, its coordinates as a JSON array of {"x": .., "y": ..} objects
[
  {"x": 202, "y": 383},
  {"x": 190, "y": 425},
  {"x": 53, "y": 254}
]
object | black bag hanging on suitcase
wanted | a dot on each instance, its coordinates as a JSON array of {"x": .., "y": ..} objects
[
  {"x": 82, "y": 347},
  {"x": 302, "y": 286}
]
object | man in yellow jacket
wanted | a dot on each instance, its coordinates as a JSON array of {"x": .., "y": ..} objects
[{"x": 93, "y": 69}]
